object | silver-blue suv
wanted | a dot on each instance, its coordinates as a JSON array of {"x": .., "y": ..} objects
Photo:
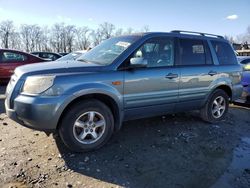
[{"x": 124, "y": 78}]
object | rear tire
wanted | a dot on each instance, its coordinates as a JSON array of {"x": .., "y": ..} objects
[
  {"x": 216, "y": 107},
  {"x": 86, "y": 126}
]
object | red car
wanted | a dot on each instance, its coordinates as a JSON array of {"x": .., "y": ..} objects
[{"x": 10, "y": 59}]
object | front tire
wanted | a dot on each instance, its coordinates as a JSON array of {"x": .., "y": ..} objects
[
  {"x": 86, "y": 126},
  {"x": 216, "y": 107}
]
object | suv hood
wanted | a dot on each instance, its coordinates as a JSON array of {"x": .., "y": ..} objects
[{"x": 57, "y": 67}]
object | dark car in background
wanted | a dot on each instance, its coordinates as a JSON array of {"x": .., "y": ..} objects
[
  {"x": 47, "y": 55},
  {"x": 10, "y": 59}
]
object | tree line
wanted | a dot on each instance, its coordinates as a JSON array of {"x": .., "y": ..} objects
[
  {"x": 60, "y": 37},
  {"x": 241, "y": 39}
]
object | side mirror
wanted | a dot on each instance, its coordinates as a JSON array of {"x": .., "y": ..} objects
[{"x": 138, "y": 62}]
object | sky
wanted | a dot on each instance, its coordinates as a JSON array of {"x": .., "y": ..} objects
[{"x": 224, "y": 17}]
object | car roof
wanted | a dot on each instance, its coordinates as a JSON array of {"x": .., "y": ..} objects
[{"x": 45, "y": 53}]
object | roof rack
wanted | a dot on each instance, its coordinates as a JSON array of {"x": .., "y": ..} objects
[{"x": 197, "y": 33}]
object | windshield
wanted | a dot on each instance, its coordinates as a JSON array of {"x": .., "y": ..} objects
[
  {"x": 106, "y": 52},
  {"x": 71, "y": 56}
]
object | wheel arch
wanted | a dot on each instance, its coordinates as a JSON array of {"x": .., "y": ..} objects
[
  {"x": 105, "y": 98},
  {"x": 225, "y": 88}
]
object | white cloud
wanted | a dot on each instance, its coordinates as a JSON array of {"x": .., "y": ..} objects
[{"x": 232, "y": 17}]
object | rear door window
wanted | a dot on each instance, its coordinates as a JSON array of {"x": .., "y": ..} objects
[
  {"x": 224, "y": 52},
  {"x": 193, "y": 52},
  {"x": 12, "y": 57}
]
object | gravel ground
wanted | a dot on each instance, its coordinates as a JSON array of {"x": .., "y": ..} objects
[{"x": 169, "y": 151}]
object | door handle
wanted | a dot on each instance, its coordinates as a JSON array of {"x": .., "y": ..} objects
[
  {"x": 212, "y": 73},
  {"x": 171, "y": 76}
]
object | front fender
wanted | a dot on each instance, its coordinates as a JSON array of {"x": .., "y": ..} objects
[{"x": 93, "y": 88}]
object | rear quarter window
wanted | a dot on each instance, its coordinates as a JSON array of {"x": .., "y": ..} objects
[{"x": 224, "y": 52}]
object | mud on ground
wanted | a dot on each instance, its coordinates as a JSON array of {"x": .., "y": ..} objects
[{"x": 168, "y": 151}]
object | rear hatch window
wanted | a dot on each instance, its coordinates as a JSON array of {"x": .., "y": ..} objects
[{"x": 224, "y": 52}]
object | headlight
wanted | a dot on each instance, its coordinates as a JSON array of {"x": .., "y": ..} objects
[
  {"x": 247, "y": 67},
  {"x": 37, "y": 84}
]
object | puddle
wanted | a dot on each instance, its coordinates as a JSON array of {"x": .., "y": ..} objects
[{"x": 240, "y": 162}]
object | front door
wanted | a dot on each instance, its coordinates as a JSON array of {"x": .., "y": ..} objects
[{"x": 152, "y": 90}]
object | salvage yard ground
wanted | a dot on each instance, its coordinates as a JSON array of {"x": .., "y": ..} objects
[{"x": 169, "y": 151}]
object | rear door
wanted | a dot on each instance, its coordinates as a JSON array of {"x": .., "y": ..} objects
[
  {"x": 9, "y": 60},
  {"x": 152, "y": 90},
  {"x": 197, "y": 72}
]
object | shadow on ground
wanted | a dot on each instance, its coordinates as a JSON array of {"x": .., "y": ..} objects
[{"x": 168, "y": 151}]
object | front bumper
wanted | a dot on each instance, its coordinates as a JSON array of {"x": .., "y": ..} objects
[
  {"x": 12, "y": 114},
  {"x": 39, "y": 113}
]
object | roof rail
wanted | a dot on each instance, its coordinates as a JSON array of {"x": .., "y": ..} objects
[{"x": 197, "y": 33}]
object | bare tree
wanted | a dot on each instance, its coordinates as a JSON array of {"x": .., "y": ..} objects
[
  {"x": 15, "y": 41},
  {"x": 145, "y": 28},
  {"x": 106, "y": 30},
  {"x": 25, "y": 35},
  {"x": 96, "y": 36},
  {"x": 248, "y": 34},
  {"x": 45, "y": 39},
  {"x": 129, "y": 31},
  {"x": 83, "y": 38},
  {"x": 69, "y": 34},
  {"x": 118, "y": 32},
  {"x": 35, "y": 37},
  {"x": 62, "y": 37},
  {"x": 245, "y": 37},
  {"x": 57, "y": 37},
  {"x": 6, "y": 31},
  {"x": 229, "y": 38}
]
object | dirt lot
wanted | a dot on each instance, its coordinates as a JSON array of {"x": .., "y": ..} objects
[{"x": 169, "y": 151}]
